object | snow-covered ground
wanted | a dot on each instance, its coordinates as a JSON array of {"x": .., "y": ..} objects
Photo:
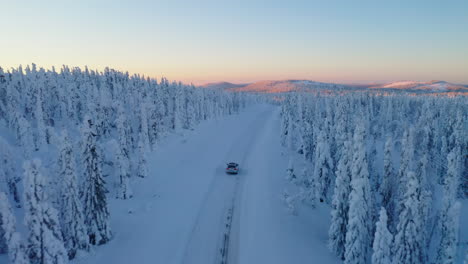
[{"x": 180, "y": 213}]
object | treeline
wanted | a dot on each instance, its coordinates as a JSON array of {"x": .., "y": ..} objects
[
  {"x": 64, "y": 134},
  {"x": 392, "y": 168}
]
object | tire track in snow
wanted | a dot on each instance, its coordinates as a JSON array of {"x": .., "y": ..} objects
[{"x": 226, "y": 237}]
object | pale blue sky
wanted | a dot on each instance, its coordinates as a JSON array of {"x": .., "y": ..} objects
[{"x": 243, "y": 41}]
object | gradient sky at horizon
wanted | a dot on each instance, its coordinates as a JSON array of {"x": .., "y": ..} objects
[{"x": 243, "y": 41}]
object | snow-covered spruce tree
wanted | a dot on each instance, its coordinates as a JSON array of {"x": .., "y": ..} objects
[
  {"x": 290, "y": 135},
  {"x": 12, "y": 99},
  {"x": 71, "y": 211},
  {"x": 375, "y": 178},
  {"x": 308, "y": 141},
  {"x": 123, "y": 167},
  {"x": 341, "y": 127},
  {"x": 122, "y": 124},
  {"x": 142, "y": 162},
  {"x": 358, "y": 230},
  {"x": 449, "y": 215},
  {"x": 300, "y": 123},
  {"x": 387, "y": 188},
  {"x": 105, "y": 111},
  {"x": 323, "y": 167},
  {"x": 40, "y": 139},
  {"x": 24, "y": 136},
  {"x": 45, "y": 243},
  {"x": 309, "y": 192},
  {"x": 92, "y": 107},
  {"x": 15, "y": 246},
  {"x": 3, "y": 242},
  {"x": 3, "y": 92},
  {"x": 382, "y": 246},
  {"x": 340, "y": 204},
  {"x": 96, "y": 214},
  {"x": 123, "y": 156},
  {"x": 181, "y": 99},
  {"x": 158, "y": 117},
  {"x": 406, "y": 162},
  {"x": 425, "y": 194},
  {"x": 176, "y": 110},
  {"x": 8, "y": 171},
  {"x": 442, "y": 157},
  {"x": 284, "y": 122},
  {"x": 330, "y": 130},
  {"x": 144, "y": 131},
  {"x": 459, "y": 138},
  {"x": 189, "y": 109},
  {"x": 408, "y": 244}
]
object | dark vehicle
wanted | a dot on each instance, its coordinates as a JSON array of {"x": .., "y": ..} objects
[{"x": 232, "y": 168}]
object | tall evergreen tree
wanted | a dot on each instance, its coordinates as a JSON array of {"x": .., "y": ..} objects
[
  {"x": 39, "y": 114},
  {"x": 45, "y": 243},
  {"x": 424, "y": 194},
  {"x": 340, "y": 205},
  {"x": 323, "y": 167},
  {"x": 387, "y": 188},
  {"x": 24, "y": 135},
  {"x": 382, "y": 245},
  {"x": 460, "y": 141},
  {"x": 123, "y": 167},
  {"x": 407, "y": 157},
  {"x": 408, "y": 246},
  {"x": 358, "y": 230},
  {"x": 142, "y": 162},
  {"x": 449, "y": 215},
  {"x": 284, "y": 123},
  {"x": 7, "y": 169},
  {"x": 71, "y": 213},
  {"x": 144, "y": 130},
  {"x": 96, "y": 214},
  {"x": 442, "y": 158},
  {"x": 123, "y": 156},
  {"x": 177, "y": 110},
  {"x": 310, "y": 191},
  {"x": 123, "y": 130},
  {"x": 308, "y": 141},
  {"x": 290, "y": 133},
  {"x": 12, "y": 238},
  {"x": 3, "y": 242}
]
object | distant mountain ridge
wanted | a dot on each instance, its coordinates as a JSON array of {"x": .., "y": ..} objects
[
  {"x": 283, "y": 86},
  {"x": 222, "y": 85},
  {"x": 286, "y": 86},
  {"x": 413, "y": 85}
]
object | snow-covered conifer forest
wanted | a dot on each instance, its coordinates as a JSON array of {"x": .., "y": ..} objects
[
  {"x": 71, "y": 140},
  {"x": 392, "y": 167},
  {"x": 107, "y": 167}
]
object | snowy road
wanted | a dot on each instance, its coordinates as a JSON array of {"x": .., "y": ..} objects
[
  {"x": 180, "y": 214},
  {"x": 210, "y": 240}
]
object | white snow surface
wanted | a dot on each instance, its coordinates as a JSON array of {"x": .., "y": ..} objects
[
  {"x": 179, "y": 213},
  {"x": 401, "y": 84},
  {"x": 437, "y": 86}
]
